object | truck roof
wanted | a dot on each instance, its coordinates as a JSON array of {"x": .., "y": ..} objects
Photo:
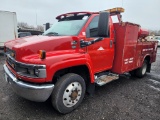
[{"x": 113, "y": 11}]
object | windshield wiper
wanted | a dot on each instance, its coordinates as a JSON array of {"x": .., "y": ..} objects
[{"x": 52, "y": 33}]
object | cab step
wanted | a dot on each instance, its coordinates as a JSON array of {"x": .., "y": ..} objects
[{"x": 104, "y": 79}]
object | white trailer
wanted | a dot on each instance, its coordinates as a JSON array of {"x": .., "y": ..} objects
[{"x": 8, "y": 27}]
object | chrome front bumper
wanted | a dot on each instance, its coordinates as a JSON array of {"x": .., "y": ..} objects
[{"x": 33, "y": 92}]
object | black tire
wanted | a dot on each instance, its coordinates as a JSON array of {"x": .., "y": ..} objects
[
  {"x": 62, "y": 100},
  {"x": 141, "y": 72}
]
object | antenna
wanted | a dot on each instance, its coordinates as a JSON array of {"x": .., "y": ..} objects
[{"x": 36, "y": 16}]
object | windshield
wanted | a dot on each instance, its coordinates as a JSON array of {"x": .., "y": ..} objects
[{"x": 71, "y": 27}]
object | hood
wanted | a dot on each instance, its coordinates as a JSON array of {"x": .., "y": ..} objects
[{"x": 32, "y": 44}]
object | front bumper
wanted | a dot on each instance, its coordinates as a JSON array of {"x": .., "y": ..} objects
[{"x": 33, "y": 92}]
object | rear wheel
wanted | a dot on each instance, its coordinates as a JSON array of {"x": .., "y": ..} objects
[
  {"x": 140, "y": 72},
  {"x": 68, "y": 93}
]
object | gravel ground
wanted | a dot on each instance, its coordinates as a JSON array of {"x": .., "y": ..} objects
[{"x": 127, "y": 98}]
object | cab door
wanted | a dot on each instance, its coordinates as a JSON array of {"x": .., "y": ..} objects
[{"x": 102, "y": 52}]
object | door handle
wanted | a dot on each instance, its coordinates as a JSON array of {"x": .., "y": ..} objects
[{"x": 111, "y": 43}]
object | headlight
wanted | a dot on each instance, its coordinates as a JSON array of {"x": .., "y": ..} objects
[
  {"x": 33, "y": 72},
  {"x": 40, "y": 73},
  {"x": 30, "y": 71},
  {"x": 36, "y": 72},
  {"x": 27, "y": 70}
]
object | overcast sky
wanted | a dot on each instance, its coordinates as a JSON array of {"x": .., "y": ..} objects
[{"x": 143, "y": 12}]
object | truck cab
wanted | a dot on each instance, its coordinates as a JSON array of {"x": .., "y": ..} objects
[
  {"x": 81, "y": 50},
  {"x": 86, "y": 25}
]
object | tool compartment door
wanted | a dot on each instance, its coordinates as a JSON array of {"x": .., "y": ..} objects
[
  {"x": 126, "y": 35},
  {"x": 130, "y": 47}
]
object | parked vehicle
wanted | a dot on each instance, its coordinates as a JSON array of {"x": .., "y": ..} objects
[
  {"x": 158, "y": 39},
  {"x": 150, "y": 38},
  {"x": 8, "y": 27},
  {"x": 24, "y": 34},
  {"x": 81, "y": 50},
  {"x": 28, "y": 32}
]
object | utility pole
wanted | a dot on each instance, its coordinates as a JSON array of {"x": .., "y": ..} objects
[{"x": 36, "y": 17}]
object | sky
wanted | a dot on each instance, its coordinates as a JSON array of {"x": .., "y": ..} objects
[{"x": 38, "y": 12}]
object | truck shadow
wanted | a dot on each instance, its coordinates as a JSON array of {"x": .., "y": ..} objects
[{"x": 115, "y": 85}]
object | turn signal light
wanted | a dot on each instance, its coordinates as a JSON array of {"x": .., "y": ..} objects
[
  {"x": 13, "y": 55},
  {"x": 42, "y": 54}
]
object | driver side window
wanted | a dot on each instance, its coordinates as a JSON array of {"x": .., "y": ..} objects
[
  {"x": 93, "y": 27},
  {"x": 92, "y": 30}
]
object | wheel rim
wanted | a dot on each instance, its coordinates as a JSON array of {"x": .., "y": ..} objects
[
  {"x": 72, "y": 94},
  {"x": 144, "y": 69}
]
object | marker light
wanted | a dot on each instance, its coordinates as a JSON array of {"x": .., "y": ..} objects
[
  {"x": 42, "y": 54},
  {"x": 13, "y": 54},
  {"x": 114, "y": 10}
]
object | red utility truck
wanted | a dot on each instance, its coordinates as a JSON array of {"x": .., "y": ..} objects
[{"x": 81, "y": 50}]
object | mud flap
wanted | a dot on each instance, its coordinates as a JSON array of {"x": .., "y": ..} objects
[
  {"x": 149, "y": 67},
  {"x": 91, "y": 88}
]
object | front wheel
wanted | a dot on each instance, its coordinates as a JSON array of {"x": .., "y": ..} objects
[
  {"x": 68, "y": 93},
  {"x": 140, "y": 72}
]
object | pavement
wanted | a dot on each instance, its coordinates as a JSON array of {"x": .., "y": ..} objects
[{"x": 127, "y": 98}]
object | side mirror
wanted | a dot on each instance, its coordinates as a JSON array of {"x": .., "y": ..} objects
[
  {"x": 103, "y": 24},
  {"x": 86, "y": 43}
]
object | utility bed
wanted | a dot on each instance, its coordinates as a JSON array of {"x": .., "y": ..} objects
[{"x": 130, "y": 49}]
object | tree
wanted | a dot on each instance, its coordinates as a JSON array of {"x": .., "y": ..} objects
[
  {"x": 24, "y": 25},
  {"x": 40, "y": 28},
  {"x": 154, "y": 32}
]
